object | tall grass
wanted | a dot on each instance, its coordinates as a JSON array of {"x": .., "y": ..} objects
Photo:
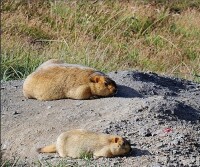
[{"x": 162, "y": 37}]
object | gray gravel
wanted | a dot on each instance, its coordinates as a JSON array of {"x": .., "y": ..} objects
[{"x": 158, "y": 114}]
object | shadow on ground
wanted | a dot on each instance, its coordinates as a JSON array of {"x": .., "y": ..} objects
[
  {"x": 180, "y": 111},
  {"x": 127, "y": 92},
  {"x": 172, "y": 84},
  {"x": 138, "y": 152}
]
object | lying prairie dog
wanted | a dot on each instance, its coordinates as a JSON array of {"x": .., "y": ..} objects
[
  {"x": 77, "y": 142},
  {"x": 55, "y": 79}
]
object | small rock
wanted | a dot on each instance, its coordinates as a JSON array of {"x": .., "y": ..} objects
[
  {"x": 160, "y": 122},
  {"x": 156, "y": 165},
  {"x": 166, "y": 149},
  {"x": 159, "y": 145},
  {"x": 145, "y": 132},
  {"x": 175, "y": 142},
  {"x": 15, "y": 113},
  {"x": 174, "y": 152},
  {"x": 4, "y": 146},
  {"x": 131, "y": 133},
  {"x": 137, "y": 118},
  {"x": 49, "y": 107},
  {"x": 56, "y": 156},
  {"x": 78, "y": 104}
]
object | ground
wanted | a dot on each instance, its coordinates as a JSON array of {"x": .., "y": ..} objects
[{"x": 158, "y": 114}]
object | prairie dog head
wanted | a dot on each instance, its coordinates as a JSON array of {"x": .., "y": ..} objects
[
  {"x": 102, "y": 85},
  {"x": 120, "y": 146}
]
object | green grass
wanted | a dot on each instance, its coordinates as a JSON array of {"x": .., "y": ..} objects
[
  {"x": 162, "y": 37},
  {"x": 86, "y": 156},
  {"x": 9, "y": 163}
]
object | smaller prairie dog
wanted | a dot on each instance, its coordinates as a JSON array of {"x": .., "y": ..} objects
[
  {"x": 76, "y": 142},
  {"x": 55, "y": 79}
]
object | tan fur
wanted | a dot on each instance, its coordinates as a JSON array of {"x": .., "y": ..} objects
[
  {"x": 48, "y": 149},
  {"x": 55, "y": 79},
  {"x": 76, "y": 142}
]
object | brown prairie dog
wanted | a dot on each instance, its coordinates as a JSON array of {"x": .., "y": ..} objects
[
  {"x": 76, "y": 142},
  {"x": 55, "y": 79}
]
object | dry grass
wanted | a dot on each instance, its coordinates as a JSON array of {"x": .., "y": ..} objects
[{"x": 160, "y": 37}]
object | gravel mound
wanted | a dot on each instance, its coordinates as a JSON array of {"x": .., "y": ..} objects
[{"x": 158, "y": 114}]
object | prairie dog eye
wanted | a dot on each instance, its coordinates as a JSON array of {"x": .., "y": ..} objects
[{"x": 105, "y": 83}]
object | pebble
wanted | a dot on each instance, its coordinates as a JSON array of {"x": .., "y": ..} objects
[
  {"x": 48, "y": 107},
  {"x": 156, "y": 165},
  {"x": 175, "y": 142},
  {"x": 144, "y": 132},
  {"x": 4, "y": 146},
  {"x": 159, "y": 145},
  {"x": 78, "y": 104},
  {"x": 15, "y": 113}
]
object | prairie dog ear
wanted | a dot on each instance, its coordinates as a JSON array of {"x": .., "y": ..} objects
[
  {"x": 115, "y": 140},
  {"x": 95, "y": 79}
]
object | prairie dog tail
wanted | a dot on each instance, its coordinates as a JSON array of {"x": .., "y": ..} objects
[{"x": 47, "y": 149}]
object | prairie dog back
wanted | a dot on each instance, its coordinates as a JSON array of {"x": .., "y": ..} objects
[
  {"x": 74, "y": 143},
  {"x": 55, "y": 79},
  {"x": 61, "y": 63}
]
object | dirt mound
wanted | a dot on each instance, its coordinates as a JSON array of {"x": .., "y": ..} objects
[{"x": 160, "y": 115}]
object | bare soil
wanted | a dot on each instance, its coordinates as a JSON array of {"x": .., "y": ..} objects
[{"x": 158, "y": 114}]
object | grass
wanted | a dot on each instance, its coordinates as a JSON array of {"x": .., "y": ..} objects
[
  {"x": 9, "y": 163},
  {"x": 86, "y": 156},
  {"x": 159, "y": 36}
]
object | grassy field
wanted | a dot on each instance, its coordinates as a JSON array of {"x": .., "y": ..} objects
[{"x": 160, "y": 36}]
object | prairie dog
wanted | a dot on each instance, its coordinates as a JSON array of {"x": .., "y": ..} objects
[
  {"x": 76, "y": 142},
  {"x": 55, "y": 79}
]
